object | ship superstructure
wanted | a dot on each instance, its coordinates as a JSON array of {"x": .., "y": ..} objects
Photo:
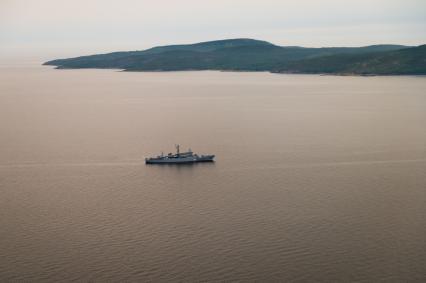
[{"x": 179, "y": 158}]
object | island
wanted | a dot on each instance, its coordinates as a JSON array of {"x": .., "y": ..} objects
[{"x": 244, "y": 54}]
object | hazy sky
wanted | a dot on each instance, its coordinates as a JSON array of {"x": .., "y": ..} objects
[{"x": 49, "y": 28}]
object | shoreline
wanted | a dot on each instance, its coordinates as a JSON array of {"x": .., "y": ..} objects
[{"x": 242, "y": 71}]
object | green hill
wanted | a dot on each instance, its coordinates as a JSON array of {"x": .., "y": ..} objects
[
  {"x": 407, "y": 61},
  {"x": 255, "y": 55}
]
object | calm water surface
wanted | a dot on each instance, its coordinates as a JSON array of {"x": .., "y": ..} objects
[{"x": 317, "y": 178}]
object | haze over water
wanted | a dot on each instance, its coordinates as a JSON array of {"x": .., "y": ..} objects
[{"x": 317, "y": 178}]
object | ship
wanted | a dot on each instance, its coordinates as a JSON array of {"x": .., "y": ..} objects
[{"x": 179, "y": 158}]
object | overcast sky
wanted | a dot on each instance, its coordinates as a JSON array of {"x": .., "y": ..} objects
[{"x": 47, "y": 28}]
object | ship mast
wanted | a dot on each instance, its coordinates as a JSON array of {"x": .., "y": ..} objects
[{"x": 177, "y": 149}]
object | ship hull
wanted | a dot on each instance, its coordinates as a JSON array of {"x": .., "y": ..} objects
[{"x": 187, "y": 160}]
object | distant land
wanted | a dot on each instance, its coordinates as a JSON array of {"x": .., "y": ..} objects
[{"x": 256, "y": 55}]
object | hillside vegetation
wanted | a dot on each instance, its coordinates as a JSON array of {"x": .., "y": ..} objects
[{"x": 256, "y": 55}]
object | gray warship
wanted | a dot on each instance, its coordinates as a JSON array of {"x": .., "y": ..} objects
[{"x": 179, "y": 158}]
